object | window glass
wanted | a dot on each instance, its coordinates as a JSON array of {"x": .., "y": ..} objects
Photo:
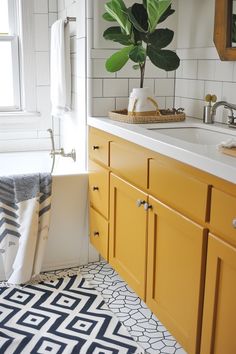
[
  {"x": 4, "y": 22},
  {"x": 6, "y": 75}
]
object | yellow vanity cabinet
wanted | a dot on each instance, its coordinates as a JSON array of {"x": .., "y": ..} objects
[
  {"x": 128, "y": 233},
  {"x": 154, "y": 217},
  {"x": 175, "y": 272},
  {"x": 219, "y": 311},
  {"x": 219, "y": 315},
  {"x": 99, "y": 190}
]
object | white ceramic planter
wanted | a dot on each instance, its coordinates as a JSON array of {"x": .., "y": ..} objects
[{"x": 141, "y": 101}]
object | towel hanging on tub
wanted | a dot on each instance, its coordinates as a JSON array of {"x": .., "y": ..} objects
[
  {"x": 25, "y": 202},
  {"x": 60, "y": 69}
]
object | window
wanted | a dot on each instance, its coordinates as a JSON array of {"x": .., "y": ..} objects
[{"x": 9, "y": 57}]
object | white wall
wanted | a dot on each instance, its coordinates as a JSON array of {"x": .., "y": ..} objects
[
  {"x": 110, "y": 91},
  {"x": 201, "y": 72},
  {"x": 30, "y": 133}
]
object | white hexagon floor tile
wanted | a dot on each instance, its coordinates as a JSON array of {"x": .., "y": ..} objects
[{"x": 143, "y": 326}]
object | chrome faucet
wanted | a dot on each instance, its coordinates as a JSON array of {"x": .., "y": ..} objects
[
  {"x": 231, "y": 118},
  {"x": 61, "y": 151}
]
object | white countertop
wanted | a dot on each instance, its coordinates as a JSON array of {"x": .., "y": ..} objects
[{"x": 205, "y": 157}]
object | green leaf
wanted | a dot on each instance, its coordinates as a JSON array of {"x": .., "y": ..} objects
[
  {"x": 116, "y": 35},
  {"x": 160, "y": 38},
  {"x": 138, "y": 54},
  {"x": 234, "y": 28},
  {"x": 166, "y": 14},
  {"x": 118, "y": 10},
  {"x": 118, "y": 59},
  {"x": 138, "y": 17},
  {"x": 145, "y": 3},
  {"x": 136, "y": 67},
  {"x": 163, "y": 59},
  {"x": 155, "y": 9},
  {"x": 108, "y": 17}
]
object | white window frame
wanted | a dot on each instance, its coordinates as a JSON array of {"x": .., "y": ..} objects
[
  {"x": 12, "y": 38},
  {"x": 26, "y": 64}
]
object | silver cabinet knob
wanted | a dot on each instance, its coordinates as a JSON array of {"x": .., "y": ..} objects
[
  {"x": 147, "y": 206},
  {"x": 96, "y": 234},
  {"x": 95, "y": 147},
  {"x": 234, "y": 223},
  {"x": 95, "y": 188},
  {"x": 140, "y": 202}
]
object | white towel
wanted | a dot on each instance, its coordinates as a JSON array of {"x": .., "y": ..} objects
[
  {"x": 230, "y": 143},
  {"x": 60, "y": 69}
]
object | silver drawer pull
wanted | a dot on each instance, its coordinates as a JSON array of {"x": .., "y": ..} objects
[
  {"x": 95, "y": 147},
  {"x": 95, "y": 188},
  {"x": 96, "y": 234},
  {"x": 140, "y": 202},
  {"x": 147, "y": 206},
  {"x": 234, "y": 223}
]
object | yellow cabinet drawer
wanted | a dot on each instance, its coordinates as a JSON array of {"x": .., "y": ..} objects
[
  {"x": 129, "y": 161},
  {"x": 178, "y": 189},
  {"x": 223, "y": 216},
  {"x": 99, "y": 146},
  {"x": 98, "y": 187},
  {"x": 99, "y": 233}
]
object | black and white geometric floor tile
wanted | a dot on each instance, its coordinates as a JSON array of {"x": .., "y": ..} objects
[
  {"x": 61, "y": 316},
  {"x": 142, "y": 325}
]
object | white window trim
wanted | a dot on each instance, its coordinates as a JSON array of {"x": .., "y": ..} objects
[
  {"x": 27, "y": 56},
  {"x": 27, "y": 60}
]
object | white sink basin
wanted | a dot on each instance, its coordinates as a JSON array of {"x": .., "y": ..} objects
[{"x": 195, "y": 135}]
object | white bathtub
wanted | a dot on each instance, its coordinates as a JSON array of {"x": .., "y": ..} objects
[{"x": 68, "y": 243}]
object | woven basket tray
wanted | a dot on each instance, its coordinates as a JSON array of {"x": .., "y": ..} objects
[{"x": 122, "y": 116}]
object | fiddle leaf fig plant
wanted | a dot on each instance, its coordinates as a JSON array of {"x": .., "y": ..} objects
[{"x": 136, "y": 29}]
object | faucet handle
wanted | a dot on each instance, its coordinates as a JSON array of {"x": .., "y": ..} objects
[{"x": 231, "y": 119}]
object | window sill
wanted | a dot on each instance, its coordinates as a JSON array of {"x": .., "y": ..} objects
[{"x": 21, "y": 117}]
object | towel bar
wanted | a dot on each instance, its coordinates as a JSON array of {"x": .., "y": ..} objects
[{"x": 69, "y": 19}]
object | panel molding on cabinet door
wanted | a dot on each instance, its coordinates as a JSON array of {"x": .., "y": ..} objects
[
  {"x": 99, "y": 233},
  {"x": 99, "y": 187},
  {"x": 128, "y": 233},
  {"x": 219, "y": 312},
  {"x": 175, "y": 273}
]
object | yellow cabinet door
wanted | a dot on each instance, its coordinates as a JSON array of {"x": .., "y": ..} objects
[
  {"x": 219, "y": 312},
  {"x": 128, "y": 235},
  {"x": 175, "y": 273}
]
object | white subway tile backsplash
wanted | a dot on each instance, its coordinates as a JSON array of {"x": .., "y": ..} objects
[
  {"x": 229, "y": 92},
  {"x": 213, "y": 88},
  {"x": 164, "y": 87},
  {"x": 190, "y": 88},
  {"x": 61, "y": 5},
  {"x": 161, "y": 101},
  {"x": 193, "y": 108},
  {"x": 224, "y": 71},
  {"x": 41, "y": 32},
  {"x": 128, "y": 72},
  {"x": 101, "y": 106},
  {"x": 41, "y": 6},
  {"x": 151, "y": 71},
  {"x": 52, "y": 17},
  {"x": 206, "y": 69},
  {"x": 99, "y": 70},
  {"x": 42, "y": 68},
  {"x": 115, "y": 87},
  {"x": 189, "y": 69},
  {"x": 170, "y": 102},
  {"x": 52, "y": 5},
  {"x": 135, "y": 83},
  {"x": 96, "y": 87},
  {"x": 122, "y": 103}
]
